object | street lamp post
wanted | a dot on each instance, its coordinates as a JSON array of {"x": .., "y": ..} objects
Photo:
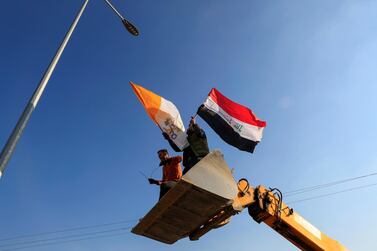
[{"x": 13, "y": 139}]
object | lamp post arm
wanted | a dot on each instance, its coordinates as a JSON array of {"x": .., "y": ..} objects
[{"x": 115, "y": 10}]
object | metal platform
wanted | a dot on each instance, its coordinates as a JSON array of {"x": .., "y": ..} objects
[{"x": 201, "y": 193}]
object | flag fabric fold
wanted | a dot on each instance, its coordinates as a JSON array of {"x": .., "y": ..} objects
[
  {"x": 164, "y": 113},
  {"x": 234, "y": 123}
]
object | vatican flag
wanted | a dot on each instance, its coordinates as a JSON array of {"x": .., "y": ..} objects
[{"x": 164, "y": 114}]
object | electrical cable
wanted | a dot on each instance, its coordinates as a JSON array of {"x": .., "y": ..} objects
[
  {"x": 63, "y": 237},
  {"x": 316, "y": 187},
  {"x": 66, "y": 241},
  {"x": 278, "y": 194},
  {"x": 65, "y": 230},
  {"x": 244, "y": 191},
  {"x": 329, "y": 194}
]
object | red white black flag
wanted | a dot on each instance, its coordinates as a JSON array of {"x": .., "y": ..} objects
[{"x": 234, "y": 123}]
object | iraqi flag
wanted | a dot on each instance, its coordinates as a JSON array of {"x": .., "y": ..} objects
[
  {"x": 234, "y": 123},
  {"x": 164, "y": 113}
]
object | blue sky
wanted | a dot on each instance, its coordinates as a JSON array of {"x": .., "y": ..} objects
[{"x": 307, "y": 68}]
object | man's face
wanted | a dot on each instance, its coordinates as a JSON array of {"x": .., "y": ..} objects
[{"x": 163, "y": 155}]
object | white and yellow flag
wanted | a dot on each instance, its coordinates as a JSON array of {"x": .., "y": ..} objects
[{"x": 163, "y": 113}]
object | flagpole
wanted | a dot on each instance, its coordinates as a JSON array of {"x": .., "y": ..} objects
[{"x": 13, "y": 139}]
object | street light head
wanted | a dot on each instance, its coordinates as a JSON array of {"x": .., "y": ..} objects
[{"x": 130, "y": 27}]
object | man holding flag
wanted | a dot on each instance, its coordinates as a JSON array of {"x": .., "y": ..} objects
[
  {"x": 197, "y": 148},
  {"x": 193, "y": 143}
]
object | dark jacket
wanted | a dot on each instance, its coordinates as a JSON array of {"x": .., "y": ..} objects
[
  {"x": 197, "y": 149},
  {"x": 198, "y": 140}
]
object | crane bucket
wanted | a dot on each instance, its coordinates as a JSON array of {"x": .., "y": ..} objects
[{"x": 203, "y": 192}]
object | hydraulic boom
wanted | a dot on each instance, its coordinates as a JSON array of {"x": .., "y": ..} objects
[{"x": 266, "y": 205}]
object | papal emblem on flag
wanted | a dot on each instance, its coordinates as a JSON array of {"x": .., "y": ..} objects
[
  {"x": 164, "y": 114},
  {"x": 234, "y": 123}
]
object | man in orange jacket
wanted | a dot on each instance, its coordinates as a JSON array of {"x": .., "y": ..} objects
[{"x": 171, "y": 172}]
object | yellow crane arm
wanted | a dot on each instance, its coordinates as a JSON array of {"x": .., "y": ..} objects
[{"x": 266, "y": 205}]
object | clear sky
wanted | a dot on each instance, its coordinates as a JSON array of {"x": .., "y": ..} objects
[{"x": 306, "y": 67}]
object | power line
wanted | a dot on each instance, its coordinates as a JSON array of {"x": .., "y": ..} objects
[
  {"x": 65, "y": 230},
  {"x": 333, "y": 183},
  {"x": 329, "y": 194},
  {"x": 64, "y": 237},
  {"x": 66, "y": 241}
]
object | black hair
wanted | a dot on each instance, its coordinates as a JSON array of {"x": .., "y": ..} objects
[{"x": 162, "y": 150}]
